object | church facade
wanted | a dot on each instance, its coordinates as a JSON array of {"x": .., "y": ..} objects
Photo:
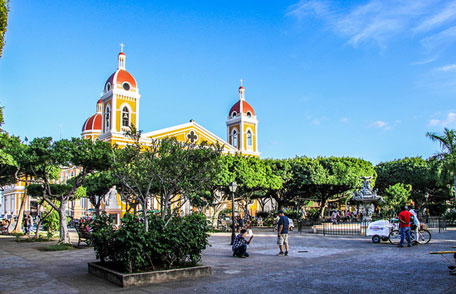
[{"x": 119, "y": 108}]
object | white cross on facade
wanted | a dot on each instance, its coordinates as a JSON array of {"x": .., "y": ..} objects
[
  {"x": 241, "y": 81},
  {"x": 121, "y": 47}
]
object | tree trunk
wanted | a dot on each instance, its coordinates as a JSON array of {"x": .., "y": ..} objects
[
  {"x": 18, "y": 227},
  {"x": 323, "y": 204},
  {"x": 454, "y": 188},
  {"x": 64, "y": 234},
  {"x": 38, "y": 225},
  {"x": 97, "y": 208},
  {"x": 217, "y": 208},
  {"x": 146, "y": 219}
]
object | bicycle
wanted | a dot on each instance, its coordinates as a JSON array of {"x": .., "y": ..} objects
[{"x": 424, "y": 237}]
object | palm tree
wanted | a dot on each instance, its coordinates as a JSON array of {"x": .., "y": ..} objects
[{"x": 448, "y": 144}]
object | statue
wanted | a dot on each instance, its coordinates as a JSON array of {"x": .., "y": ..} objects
[
  {"x": 366, "y": 196},
  {"x": 111, "y": 198}
]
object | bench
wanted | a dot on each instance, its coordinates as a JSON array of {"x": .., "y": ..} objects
[{"x": 83, "y": 235}]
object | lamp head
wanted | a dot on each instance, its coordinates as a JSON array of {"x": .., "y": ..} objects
[{"x": 233, "y": 187}]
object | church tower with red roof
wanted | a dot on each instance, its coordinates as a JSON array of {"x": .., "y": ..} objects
[
  {"x": 242, "y": 126},
  {"x": 120, "y": 104}
]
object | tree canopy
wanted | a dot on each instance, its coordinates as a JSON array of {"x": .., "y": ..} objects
[{"x": 4, "y": 9}]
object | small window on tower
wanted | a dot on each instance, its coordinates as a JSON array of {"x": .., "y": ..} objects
[
  {"x": 125, "y": 117},
  {"x": 235, "y": 138},
  {"x": 249, "y": 138},
  {"x": 108, "y": 117},
  {"x": 108, "y": 87},
  {"x": 249, "y": 114},
  {"x": 234, "y": 114},
  {"x": 126, "y": 86}
]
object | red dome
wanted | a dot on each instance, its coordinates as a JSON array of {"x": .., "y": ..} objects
[
  {"x": 93, "y": 123},
  {"x": 121, "y": 53},
  {"x": 121, "y": 76},
  {"x": 245, "y": 108}
]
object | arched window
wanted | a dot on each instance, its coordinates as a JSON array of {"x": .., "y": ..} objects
[
  {"x": 234, "y": 114},
  {"x": 125, "y": 117},
  {"x": 235, "y": 138},
  {"x": 249, "y": 138},
  {"x": 108, "y": 117},
  {"x": 249, "y": 114}
]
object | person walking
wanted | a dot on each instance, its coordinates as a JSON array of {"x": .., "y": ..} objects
[
  {"x": 404, "y": 226},
  {"x": 283, "y": 226}
]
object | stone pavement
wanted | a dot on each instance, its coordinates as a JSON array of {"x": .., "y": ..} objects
[{"x": 317, "y": 264}]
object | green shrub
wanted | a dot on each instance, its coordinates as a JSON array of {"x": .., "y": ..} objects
[
  {"x": 51, "y": 223},
  {"x": 33, "y": 239},
  {"x": 263, "y": 214},
  {"x": 102, "y": 234},
  {"x": 18, "y": 235},
  {"x": 132, "y": 249},
  {"x": 313, "y": 213},
  {"x": 58, "y": 247},
  {"x": 451, "y": 216},
  {"x": 293, "y": 214}
]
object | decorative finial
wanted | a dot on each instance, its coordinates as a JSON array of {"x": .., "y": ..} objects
[
  {"x": 241, "y": 82},
  {"x": 121, "y": 47}
]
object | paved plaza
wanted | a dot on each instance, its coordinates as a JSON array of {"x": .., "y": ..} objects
[{"x": 317, "y": 264}]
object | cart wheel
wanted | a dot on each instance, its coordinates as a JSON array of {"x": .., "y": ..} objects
[{"x": 376, "y": 239}]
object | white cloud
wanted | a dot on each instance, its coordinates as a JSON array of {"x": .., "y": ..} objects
[
  {"x": 448, "y": 67},
  {"x": 344, "y": 120},
  {"x": 441, "y": 39},
  {"x": 449, "y": 121},
  {"x": 447, "y": 14},
  {"x": 379, "y": 124},
  {"x": 380, "y": 20},
  {"x": 426, "y": 61}
]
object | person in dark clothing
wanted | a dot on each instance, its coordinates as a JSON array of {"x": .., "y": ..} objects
[
  {"x": 283, "y": 226},
  {"x": 240, "y": 244}
]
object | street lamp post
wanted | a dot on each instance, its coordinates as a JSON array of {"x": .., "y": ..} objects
[{"x": 233, "y": 187}]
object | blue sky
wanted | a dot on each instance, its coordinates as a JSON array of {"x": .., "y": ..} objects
[{"x": 365, "y": 79}]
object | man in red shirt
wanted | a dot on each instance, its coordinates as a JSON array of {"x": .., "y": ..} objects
[{"x": 404, "y": 226}]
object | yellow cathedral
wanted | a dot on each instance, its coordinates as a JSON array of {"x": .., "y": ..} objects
[{"x": 118, "y": 109}]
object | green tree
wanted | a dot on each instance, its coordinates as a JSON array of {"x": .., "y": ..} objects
[
  {"x": 397, "y": 195},
  {"x": 1, "y": 118},
  {"x": 325, "y": 177},
  {"x": 98, "y": 185},
  {"x": 46, "y": 159},
  {"x": 447, "y": 142},
  {"x": 175, "y": 171},
  {"x": 11, "y": 153},
  {"x": 422, "y": 175},
  {"x": 282, "y": 183},
  {"x": 4, "y": 9},
  {"x": 14, "y": 168}
]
